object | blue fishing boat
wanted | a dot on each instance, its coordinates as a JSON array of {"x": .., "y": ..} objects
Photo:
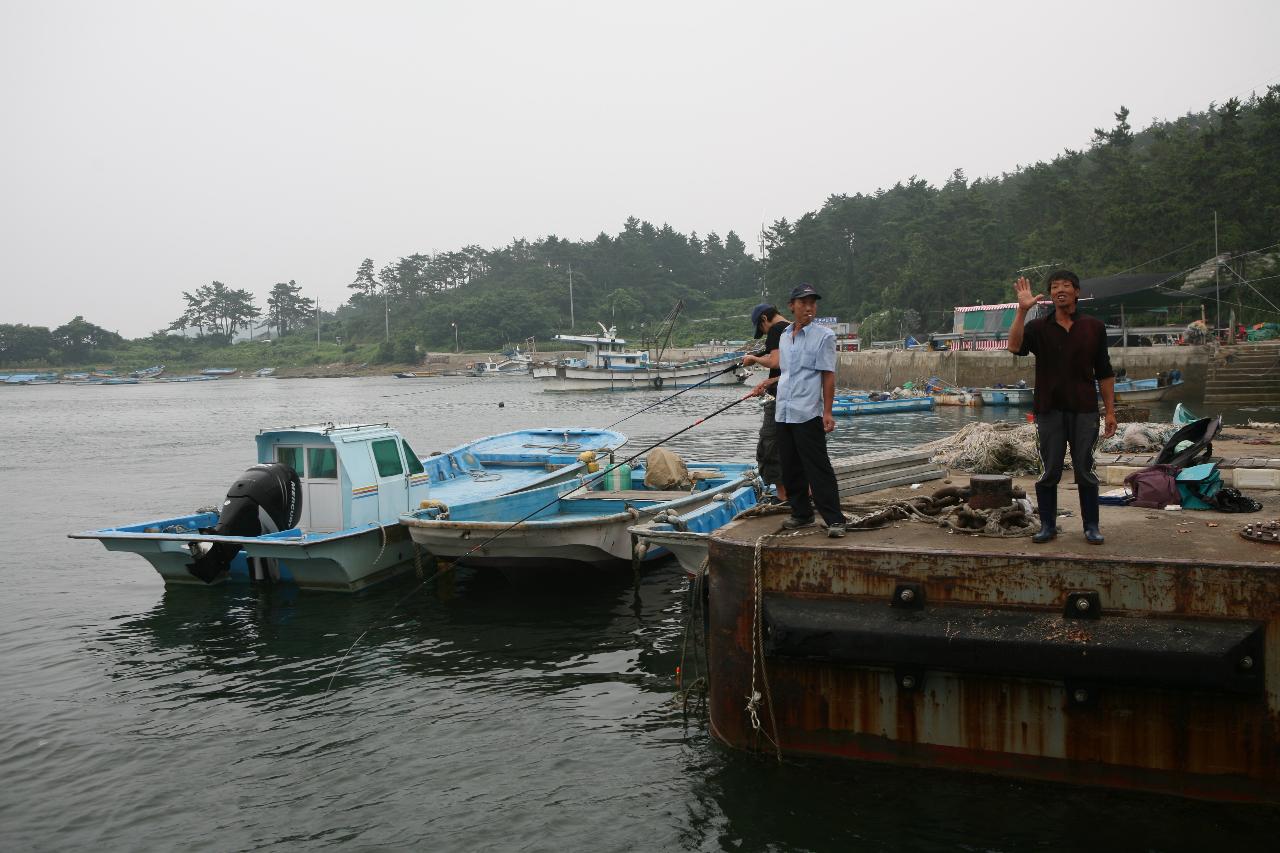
[
  {"x": 576, "y": 525},
  {"x": 685, "y": 535},
  {"x": 864, "y": 405},
  {"x": 31, "y": 379},
  {"x": 148, "y": 372},
  {"x": 1011, "y": 396},
  {"x": 321, "y": 507},
  {"x": 220, "y": 371}
]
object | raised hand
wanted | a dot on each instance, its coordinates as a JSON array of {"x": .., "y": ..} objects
[{"x": 1022, "y": 289}]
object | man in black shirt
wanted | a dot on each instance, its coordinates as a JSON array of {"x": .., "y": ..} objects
[
  {"x": 1072, "y": 367},
  {"x": 766, "y": 320}
]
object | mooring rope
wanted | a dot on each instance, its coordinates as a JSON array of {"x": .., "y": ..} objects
[
  {"x": 699, "y": 682},
  {"x": 757, "y": 655}
]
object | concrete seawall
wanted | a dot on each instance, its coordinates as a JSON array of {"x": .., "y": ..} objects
[{"x": 886, "y": 369}]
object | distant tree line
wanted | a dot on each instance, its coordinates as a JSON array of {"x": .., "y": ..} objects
[
  {"x": 523, "y": 289},
  {"x": 72, "y": 343},
  {"x": 899, "y": 258}
]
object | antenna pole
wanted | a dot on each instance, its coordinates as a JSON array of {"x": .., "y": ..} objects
[{"x": 1217, "y": 289}]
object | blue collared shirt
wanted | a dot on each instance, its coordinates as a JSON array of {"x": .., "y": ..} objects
[{"x": 803, "y": 359}]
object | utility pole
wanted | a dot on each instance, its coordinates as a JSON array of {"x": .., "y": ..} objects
[
  {"x": 386, "y": 311},
  {"x": 1217, "y": 289},
  {"x": 764, "y": 285},
  {"x": 571, "y": 323},
  {"x": 317, "y": 322}
]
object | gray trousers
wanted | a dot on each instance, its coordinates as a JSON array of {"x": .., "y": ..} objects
[{"x": 1058, "y": 429}]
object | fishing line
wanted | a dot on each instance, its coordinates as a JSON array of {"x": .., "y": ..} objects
[
  {"x": 437, "y": 388},
  {"x": 582, "y": 485},
  {"x": 733, "y": 366}
]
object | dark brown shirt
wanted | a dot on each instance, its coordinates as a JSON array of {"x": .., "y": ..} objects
[{"x": 1068, "y": 364}]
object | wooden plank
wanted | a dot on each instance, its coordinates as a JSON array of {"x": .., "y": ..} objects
[
  {"x": 883, "y": 460},
  {"x": 890, "y": 483},
  {"x": 912, "y": 475}
]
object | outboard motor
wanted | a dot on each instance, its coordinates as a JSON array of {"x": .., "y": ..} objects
[{"x": 266, "y": 498}]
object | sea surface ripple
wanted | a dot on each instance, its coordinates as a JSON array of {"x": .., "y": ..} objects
[{"x": 471, "y": 716}]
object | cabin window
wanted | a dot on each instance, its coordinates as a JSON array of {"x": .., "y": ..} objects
[
  {"x": 291, "y": 456},
  {"x": 415, "y": 466},
  {"x": 322, "y": 463},
  {"x": 387, "y": 457}
]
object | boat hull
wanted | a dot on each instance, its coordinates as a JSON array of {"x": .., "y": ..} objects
[
  {"x": 337, "y": 562},
  {"x": 562, "y": 378},
  {"x": 1142, "y": 391},
  {"x": 1007, "y": 396},
  {"x": 853, "y": 406},
  {"x": 554, "y": 538},
  {"x": 958, "y": 399}
]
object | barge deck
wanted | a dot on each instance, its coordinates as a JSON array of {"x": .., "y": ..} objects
[{"x": 1150, "y": 662}]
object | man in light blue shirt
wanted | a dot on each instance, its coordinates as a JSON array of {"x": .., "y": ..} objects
[{"x": 806, "y": 388}]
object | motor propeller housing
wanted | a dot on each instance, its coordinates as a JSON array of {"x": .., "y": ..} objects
[{"x": 266, "y": 498}]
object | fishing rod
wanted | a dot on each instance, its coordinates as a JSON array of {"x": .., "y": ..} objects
[
  {"x": 733, "y": 366},
  {"x": 585, "y": 483}
]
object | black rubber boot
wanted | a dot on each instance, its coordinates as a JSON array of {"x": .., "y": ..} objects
[
  {"x": 1089, "y": 512},
  {"x": 1047, "y": 504}
]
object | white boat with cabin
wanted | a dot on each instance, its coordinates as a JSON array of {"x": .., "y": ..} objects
[
  {"x": 321, "y": 508},
  {"x": 608, "y": 365},
  {"x": 515, "y": 363}
]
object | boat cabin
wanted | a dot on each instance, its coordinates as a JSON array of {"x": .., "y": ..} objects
[
  {"x": 351, "y": 475},
  {"x": 606, "y": 351}
]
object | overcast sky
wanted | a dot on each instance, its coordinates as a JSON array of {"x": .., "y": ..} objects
[{"x": 151, "y": 147}]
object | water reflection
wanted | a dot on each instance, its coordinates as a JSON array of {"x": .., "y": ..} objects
[
  {"x": 472, "y": 716},
  {"x": 268, "y": 643}
]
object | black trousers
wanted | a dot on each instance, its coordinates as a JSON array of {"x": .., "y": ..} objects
[
  {"x": 802, "y": 449},
  {"x": 1057, "y": 429}
]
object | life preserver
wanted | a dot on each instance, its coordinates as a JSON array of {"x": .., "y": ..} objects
[{"x": 657, "y": 382}]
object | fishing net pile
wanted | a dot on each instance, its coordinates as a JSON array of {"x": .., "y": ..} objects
[
  {"x": 1003, "y": 447},
  {"x": 1136, "y": 438}
]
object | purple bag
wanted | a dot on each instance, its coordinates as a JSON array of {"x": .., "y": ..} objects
[{"x": 1155, "y": 487}]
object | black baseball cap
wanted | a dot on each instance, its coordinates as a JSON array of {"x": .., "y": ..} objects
[
  {"x": 800, "y": 291},
  {"x": 758, "y": 312}
]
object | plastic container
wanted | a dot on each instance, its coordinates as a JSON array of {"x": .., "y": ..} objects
[{"x": 618, "y": 479}]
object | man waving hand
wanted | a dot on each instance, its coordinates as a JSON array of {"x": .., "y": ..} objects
[{"x": 1072, "y": 367}]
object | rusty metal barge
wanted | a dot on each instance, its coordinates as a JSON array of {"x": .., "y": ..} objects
[{"x": 1151, "y": 662}]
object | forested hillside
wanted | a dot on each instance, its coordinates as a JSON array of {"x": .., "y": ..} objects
[
  {"x": 523, "y": 289},
  {"x": 903, "y": 256},
  {"x": 1141, "y": 201}
]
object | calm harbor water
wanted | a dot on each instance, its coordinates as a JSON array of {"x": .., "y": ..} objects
[{"x": 471, "y": 717}]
